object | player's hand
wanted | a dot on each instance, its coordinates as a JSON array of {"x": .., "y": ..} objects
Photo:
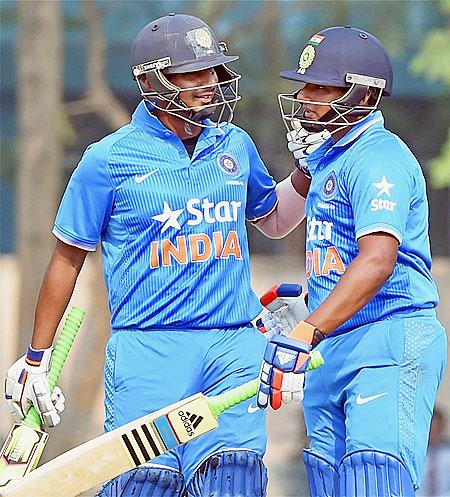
[
  {"x": 302, "y": 144},
  {"x": 27, "y": 384},
  {"x": 282, "y": 373},
  {"x": 288, "y": 307}
]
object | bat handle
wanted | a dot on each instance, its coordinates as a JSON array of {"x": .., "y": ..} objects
[
  {"x": 59, "y": 356},
  {"x": 220, "y": 403}
]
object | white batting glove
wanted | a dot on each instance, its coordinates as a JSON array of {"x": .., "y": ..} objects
[
  {"x": 285, "y": 312},
  {"x": 283, "y": 320},
  {"x": 292, "y": 387},
  {"x": 302, "y": 144},
  {"x": 27, "y": 384}
]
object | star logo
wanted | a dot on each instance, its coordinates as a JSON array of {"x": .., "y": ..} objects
[
  {"x": 169, "y": 218},
  {"x": 384, "y": 186}
]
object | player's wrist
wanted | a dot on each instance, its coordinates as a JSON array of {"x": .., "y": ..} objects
[
  {"x": 308, "y": 333},
  {"x": 38, "y": 360}
]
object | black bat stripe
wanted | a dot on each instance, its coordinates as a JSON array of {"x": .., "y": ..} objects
[
  {"x": 137, "y": 437},
  {"x": 149, "y": 437},
  {"x": 131, "y": 450},
  {"x": 197, "y": 422}
]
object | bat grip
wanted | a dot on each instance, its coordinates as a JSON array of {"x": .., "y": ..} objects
[
  {"x": 59, "y": 356},
  {"x": 220, "y": 403}
]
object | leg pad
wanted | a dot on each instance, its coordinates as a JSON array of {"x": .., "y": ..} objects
[
  {"x": 370, "y": 473},
  {"x": 236, "y": 473},
  {"x": 145, "y": 481},
  {"x": 322, "y": 475}
]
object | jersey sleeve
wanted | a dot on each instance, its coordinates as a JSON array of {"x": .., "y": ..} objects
[
  {"x": 261, "y": 194},
  {"x": 380, "y": 187},
  {"x": 87, "y": 202}
]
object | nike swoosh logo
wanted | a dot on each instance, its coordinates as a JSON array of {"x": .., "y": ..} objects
[
  {"x": 140, "y": 179},
  {"x": 363, "y": 400},
  {"x": 251, "y": 409}
]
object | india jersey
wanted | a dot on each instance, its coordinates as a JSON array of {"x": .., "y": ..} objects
[
  {"x": 368, "y": 182},
  {"x": 172, "y": 228}
]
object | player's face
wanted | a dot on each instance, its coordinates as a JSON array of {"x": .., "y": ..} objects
[
  {"x": 318, "y": 93},
  {"x": 201, "y": 96}
]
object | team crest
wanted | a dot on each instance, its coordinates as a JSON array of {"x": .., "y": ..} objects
[
  {"x": 201, "y": 41},
  {"x": 306, "y": 58},
  {"x": 330, "y": 186},
  {"x": 228, "y": 164}
]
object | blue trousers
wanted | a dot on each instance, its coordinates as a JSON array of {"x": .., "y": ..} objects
[
  {"x": 146, "y": 371},
  {"x": 377, "y": 390}
]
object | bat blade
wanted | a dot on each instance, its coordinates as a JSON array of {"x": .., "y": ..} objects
[
  {"x": 130, "y": 445},
  {"x": 118, "y": 451},
  {"x": 26, "y": 441}
]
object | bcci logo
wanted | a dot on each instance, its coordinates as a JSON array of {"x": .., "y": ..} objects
[
  {"x": 228, "y": 164},
  {"x": 330, "y": 186},
  {"x": 306, "y": 58}
]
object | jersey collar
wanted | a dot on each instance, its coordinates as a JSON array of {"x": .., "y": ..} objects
[
  {"x": 374, "y": 120},
  {"x": 143, "y": 118}
]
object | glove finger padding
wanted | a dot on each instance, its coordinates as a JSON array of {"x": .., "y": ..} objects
[
  {"x": 284, "y": 319},
  {"x": 42, "y": 400},
  {"x": 284, "y": 356},
  {"x": 27, "y": 385},
  {"x": 292, "y": 387},
  {"x": 58, "y": 399},
  {"x": 270, "y": 325},
  {"x": 14, "y": 387}
]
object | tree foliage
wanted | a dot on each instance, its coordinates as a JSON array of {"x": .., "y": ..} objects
[{"x": 433, "y": 62}]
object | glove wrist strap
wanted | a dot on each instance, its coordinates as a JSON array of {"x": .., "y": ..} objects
[
  {"x": 38, "y": 361},
  {"x": 308, "y": 333}
]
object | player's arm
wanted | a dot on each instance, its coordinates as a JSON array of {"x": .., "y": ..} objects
[
  {"x": 27, "y": 379},
  {"x": 292, "y": 191},
  {"x": 289, "y": 211},
  {"x": 362, "y": 280},
  {"x": 56, "y": 291}
]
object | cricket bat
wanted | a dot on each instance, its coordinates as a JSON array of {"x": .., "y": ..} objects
[
  {"x": 24, "y": 445},
  {"x": 135, "y": 443}
]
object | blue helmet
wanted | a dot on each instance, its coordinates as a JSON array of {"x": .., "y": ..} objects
[
  {"x": 180, "y": 43},
  {"x": 343, "y": 57}
]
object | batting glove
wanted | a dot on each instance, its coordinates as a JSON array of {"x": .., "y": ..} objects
[
  {"x": 302, "y": 144},
  {"x": 284, "y": 359},
  {"x": 288, "y": 307},
  {"x": 27, "y": 384}
]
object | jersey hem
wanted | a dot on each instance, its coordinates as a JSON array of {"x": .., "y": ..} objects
[
  {"x": 377, "y": 229},
  {"x": 256, "y": 219},
  {"x": 73, "y": 243}
]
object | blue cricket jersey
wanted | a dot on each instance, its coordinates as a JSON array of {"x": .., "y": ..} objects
[
  {"x": 369, "y": 181},
  {"x": 172, "y": 228}
]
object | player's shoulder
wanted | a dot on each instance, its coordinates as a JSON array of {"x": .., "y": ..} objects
[
  {"x": 238, "y": 133},
  {"x": 383, "y": 148},
  {"x": 101, "y": 149}
]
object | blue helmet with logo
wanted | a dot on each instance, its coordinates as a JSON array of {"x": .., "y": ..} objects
[
  {"x": 180, "y": 43},
  {"x": 344, "y": 57}
]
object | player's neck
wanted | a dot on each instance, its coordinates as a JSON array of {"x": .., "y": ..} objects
[
  {"x": 335, "y": 137},
  {"x": 181, "y": 128}
]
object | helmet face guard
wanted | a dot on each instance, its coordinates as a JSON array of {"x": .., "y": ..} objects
[
  {"x": 342, "y": 57},
  {"x": 179, "y": 44},
  {"x": 344, "y": 111},
  {"x": 167, "y": 97}
]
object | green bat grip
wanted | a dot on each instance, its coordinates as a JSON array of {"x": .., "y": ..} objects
[
  {"x": 59, "y": 356},
  {"x": 220, "y": 403}
]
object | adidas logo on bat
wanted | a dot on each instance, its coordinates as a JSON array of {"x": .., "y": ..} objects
[{"x": 190, "y": 421}]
